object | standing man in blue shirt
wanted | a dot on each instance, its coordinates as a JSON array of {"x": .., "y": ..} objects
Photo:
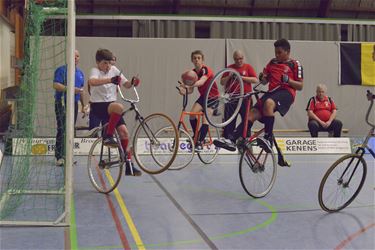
[{"x": 60, "y": 86}]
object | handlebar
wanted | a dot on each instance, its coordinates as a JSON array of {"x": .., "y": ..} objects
[
  {"x": 255, "y": 92},
  {"x": 370, "y": 97},
  {"x": 132, "y": 101},
  {"x": 185, "y": 96}
]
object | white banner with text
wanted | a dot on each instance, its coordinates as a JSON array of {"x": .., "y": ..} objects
[{"x": 288, "y": 145}]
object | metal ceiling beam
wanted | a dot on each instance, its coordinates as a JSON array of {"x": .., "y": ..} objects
[
  {"x": 176, "y": 6},
  {"x": 354, "y": 9},
  {"x": 218, "y": 6},
  {"x": 324, "y": 8},
  {"x": 251, "y": 4},
  {"x": 359, "y": 5}
]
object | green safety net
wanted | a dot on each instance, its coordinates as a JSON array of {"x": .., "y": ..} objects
[{"x": 32, "y": 188}]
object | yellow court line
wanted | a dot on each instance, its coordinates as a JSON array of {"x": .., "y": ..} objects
[{"x": 125, "y": 212}]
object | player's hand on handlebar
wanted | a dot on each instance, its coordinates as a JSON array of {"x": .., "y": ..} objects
[
  {"x": 116, "y": 80},
  {"x": 370, "y": 96},
  {"x": 233, "y": 77},
  {"x": 262, "y": 78},
  {"x": 135, "y": 81},
  {"x": 181, "y": 90}
]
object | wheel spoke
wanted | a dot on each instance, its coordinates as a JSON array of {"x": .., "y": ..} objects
[
  {"x": 154, "y": 143},
  {"x": 257, "y": 172},
  {"x": 229, "y": 100},
  {"x": 342, "y": 182},
  {"x": 104, "y": 166}
]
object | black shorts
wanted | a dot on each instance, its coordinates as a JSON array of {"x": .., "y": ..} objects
[
  {"x": 283, "y": 99},
  {"x": 99, "y": 114},
  {"x": 212, "y": 103}
]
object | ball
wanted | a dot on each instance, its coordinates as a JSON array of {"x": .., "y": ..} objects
[{"x": 189, "y": 77}]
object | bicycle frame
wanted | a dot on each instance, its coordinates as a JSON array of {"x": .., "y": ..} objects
[
  {"x": 281, "y": 160},
  {"x": 344, "y": 179},
  {"x": 138, "y": 116},
  {"x": 371, "y": 133},
  {"x": 102, "y": 163},
  {"x": 362, "y": 148},
  {"x": 198, "y": 115}
]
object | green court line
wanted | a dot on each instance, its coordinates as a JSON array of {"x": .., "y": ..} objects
[
  {"x": 270, "y": 220},
  {"x": 73, "y": 226}
]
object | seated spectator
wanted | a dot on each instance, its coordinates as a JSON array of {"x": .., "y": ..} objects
[{"x": 321, "y": 111}]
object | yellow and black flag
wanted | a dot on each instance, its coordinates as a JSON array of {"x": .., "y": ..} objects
[{"x": 357, "y": 62}]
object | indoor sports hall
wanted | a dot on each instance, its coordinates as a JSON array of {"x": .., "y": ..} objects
[{"x": 64, "y": 186}]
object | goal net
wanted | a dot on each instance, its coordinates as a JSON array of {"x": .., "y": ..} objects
[{"x": 32, "y": 187}]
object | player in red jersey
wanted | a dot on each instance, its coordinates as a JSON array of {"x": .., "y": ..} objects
[
  {"x": 284, "y": 76},
  {"x": 321, "y": 111},
  {"x": 205, "y": 76},
  {"x": 248, "y": 75}
]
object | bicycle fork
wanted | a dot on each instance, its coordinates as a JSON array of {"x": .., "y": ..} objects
[{"x": 340, "y": 181}]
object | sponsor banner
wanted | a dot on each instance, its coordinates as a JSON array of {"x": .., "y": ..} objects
[
  {"x": 166, "y": 147},
  {"x": 288, "y": 145},
  {"x": 46, "y": 146},
  {"x": 326, "y": 145}
]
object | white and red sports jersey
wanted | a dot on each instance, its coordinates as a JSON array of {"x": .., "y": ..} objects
[{"x": 321, "y": 108}]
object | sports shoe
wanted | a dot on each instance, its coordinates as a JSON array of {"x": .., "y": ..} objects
[
  {"x": 243, "y": 144},
  {"x": 60, "y": 162},
  {"x": 265, "y": 144},
  {"x": 131, "y": 170},
  {"x": 225, "y": 143},
  {"x": 198, "y": 147},
  {"x": 109, "y": 142}
]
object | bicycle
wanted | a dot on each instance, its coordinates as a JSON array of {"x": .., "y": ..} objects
[
  {"x": 257, "y": 168},
  {"x": 345, "y": 177},
  {"x": 150, "y": 140},
  {"x": 186, "y": 150}
]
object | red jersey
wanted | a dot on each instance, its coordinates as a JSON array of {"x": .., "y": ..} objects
[
  {"x": 206, "y": 71},
  {"x": 276, "y": 69},
  {"x": 322, "y": 109},
  {"x": 245, "y": 70}
]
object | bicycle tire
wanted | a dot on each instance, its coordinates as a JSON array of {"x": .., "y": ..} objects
[
  {"x": 257, "y": 171},
  {"x": 185, "y": 153},
  {"x": 210, "y": 151},
  {"x": 341, "y": 194},
  {"x": 105, "y": 167},
  {"x": 231, "y": 93},
  {"x": 157, "y": 143}
]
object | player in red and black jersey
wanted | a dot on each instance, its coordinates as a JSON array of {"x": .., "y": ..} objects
[
  {"x": 321, "y": 111},
  {"x": 205, "y": 75},
  {"x": 285, "y": 77}
]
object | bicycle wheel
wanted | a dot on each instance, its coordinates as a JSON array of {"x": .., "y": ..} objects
[
  {"x": 154, "y": 141},
  {"x": 185, "y": 153},
  {"x": 210, "y": 151},
  {"x": 227, "y": 105},
  {"x": 342, "y": 182},
  {"x": 105, "y": 165},
  {"x": 257, "y": 171}
]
